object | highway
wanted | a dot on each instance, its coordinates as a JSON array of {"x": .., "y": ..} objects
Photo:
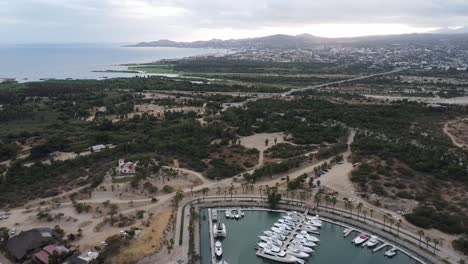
[{"x": 342, "y": 81}]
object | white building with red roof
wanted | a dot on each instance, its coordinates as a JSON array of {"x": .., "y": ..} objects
[{"x": 126, "y": 167}]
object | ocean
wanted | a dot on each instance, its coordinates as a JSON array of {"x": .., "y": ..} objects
[{"x": 78, "y": 61}]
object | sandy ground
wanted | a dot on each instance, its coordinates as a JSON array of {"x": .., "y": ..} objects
[
  {"x": 155, "y": 110},
  {"x": 257, "y": 141},
  {"x": 457, "y": 131}
]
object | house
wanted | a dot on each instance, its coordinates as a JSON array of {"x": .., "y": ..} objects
[
  {"x": 98, "y": 148},
  {"x": 26, "y": 243},
  {"x": 126, "y": 167},
  {"x": 43, "y": 255},
  {"x": 84, "y": 258}
]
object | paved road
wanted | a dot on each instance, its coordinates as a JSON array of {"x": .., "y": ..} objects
[
  {"x": 227, "y": 106},
  {"x": 340, "y": 82}
]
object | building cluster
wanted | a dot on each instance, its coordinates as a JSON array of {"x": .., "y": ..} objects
[
  {"x": 448, "y": 56},
  {"x": 43, "y": 246}
]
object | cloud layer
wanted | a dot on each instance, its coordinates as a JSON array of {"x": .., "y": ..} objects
[{"x": 135, "y": 20}]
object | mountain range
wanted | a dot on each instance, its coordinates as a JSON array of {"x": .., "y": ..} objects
[{"x": 280, "y": 41}]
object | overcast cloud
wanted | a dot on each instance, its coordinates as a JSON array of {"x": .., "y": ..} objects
[{"x": 143, "y": 20}]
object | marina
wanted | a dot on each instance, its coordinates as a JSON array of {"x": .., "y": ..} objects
[{"x": 242, "y": 243}]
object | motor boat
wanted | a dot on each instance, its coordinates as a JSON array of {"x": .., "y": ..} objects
[
  {"x": 313, "y": 223},
  {"x": 296, "y": 252},
  {"x": 227, "y": 213},
  {"x": 314, "y": 218},
  {"x": 235, "y": 214},
  {"x": 308, "y": 237},
  {"x": 303, "y": 248},
  {"x": 280, "y": 231},
  {"x": 390, "y": 253},
  {"x": 219, "y": 230},
  {"x": 360, "y": 239},
  {"x": 269, "y": 246},
  {"x": 214, "y": 215},
  {"x": 281, "y": 257},
  {"x": 346, "y": 230},
  {"x": 373, "y": 241},
  {"x": 241, "y": 212},
  {"x": 304, "y": 242},
  {"x": 272, "y": 240},
  {"x": 218, "y": 249},
  {"x": 273, "y": 234},
  {"x": 283, "y": 226},
  {"x": 310, "y": 228}
]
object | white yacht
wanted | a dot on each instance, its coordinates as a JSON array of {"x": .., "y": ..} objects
[
  {"x": 308, "y": 237},
  {"x": 218, "y": 249},
  {"x": 373, "y": 241},
  {"x": 235, "y": 213},
  {"x": 280, "y": 231},
  {"x": 304, "y": 242},
  {"x": 313, "y": 223},
  {"x": 360, "y": 239},
  {"x": 292, "y": 250},
  {"x": 219, "y": 230},
  {"x": 280, "y": 257},
  {"x": 283, "y": 226},
  {"x": 227, "y": 213},
  {"x": 310, "y": 228},
  {"x": 272, "y": 240},
  {"x": 273, "y": 234},
  {"x": 302, "y": 247},
  {"x": 269, "y": 246},
  {"x": 214, "y": 215}
]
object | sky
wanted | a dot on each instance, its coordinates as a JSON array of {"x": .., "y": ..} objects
[{"x": 128, "y": 21}]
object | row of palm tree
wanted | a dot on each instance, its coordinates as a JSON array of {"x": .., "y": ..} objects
[{"x": 428, "y": 240}]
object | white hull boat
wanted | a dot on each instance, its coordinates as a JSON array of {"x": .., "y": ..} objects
[
  {"x": 218, "y": 249},
  {"x": 360, "y": 239},
  {"x": 219, "y": 230},
  {"x": 372, "y": 242},
  {"x": 297, "y": 253}
]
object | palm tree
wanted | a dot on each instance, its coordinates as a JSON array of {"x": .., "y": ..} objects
[
  {"x": 317, "y": 199},
  {"x": 327, "y": 200},
  {"x": 365, "y": 215},
  {"x": 218, "y": 190},
  {"x": 334, "y": 201},
  {"x": 302, "y": 196},
  {"x": 436, "y": 242},
  {"x": 398, "y": 224},
  {"x": 371, "y": 212},
  {"x": 359, "y": 208},
  {"x": 231, "y": 189},
  {"x": 421, "y": 234},
  {"x": 205, "y": 192},
  {"x": 391, "y": 222},
  {"x": 225, "y": 193},
  {"x": 385, "y": 218},
  {"x": 260, "y": 190},
  {"x": 428, "y": 239},
  {"x": 292, "y": 196}
]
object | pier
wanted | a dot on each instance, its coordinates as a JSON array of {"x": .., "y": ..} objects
[
  {"x": 213, "y": 256},
  {"x": 296, "y": 229}
]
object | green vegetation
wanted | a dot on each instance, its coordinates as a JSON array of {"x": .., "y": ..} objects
[{"x": 286, "y": 150}]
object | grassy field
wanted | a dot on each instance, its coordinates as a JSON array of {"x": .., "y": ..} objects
[{"x": 149, "y": 242}]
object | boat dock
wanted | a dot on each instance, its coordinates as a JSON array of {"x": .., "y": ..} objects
[
  {"x": 213, "y": 256},
  {"x": 298, "y": 227},
  {"x": 379, "y": 247}
]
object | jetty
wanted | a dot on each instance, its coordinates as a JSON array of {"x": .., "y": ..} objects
[{"x": 213, "y": 256}]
